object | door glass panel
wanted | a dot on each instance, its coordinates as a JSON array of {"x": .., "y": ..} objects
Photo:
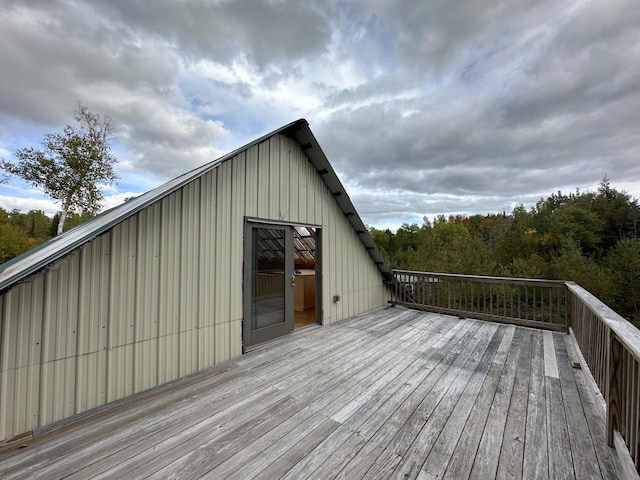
[{"x": 269, "y": 279}]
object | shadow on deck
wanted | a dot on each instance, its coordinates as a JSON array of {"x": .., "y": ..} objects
[{"x": 395, "y": 393}]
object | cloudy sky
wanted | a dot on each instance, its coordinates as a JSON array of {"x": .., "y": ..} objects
[{"x": 423, "y": 107}]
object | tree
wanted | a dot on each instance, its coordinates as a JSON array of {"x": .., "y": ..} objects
[
  {"x": 71, "y": 165},
  {"x": 623, "y": 263},
  {"x": 618, "y": 212},
  {"x": 73, "y": 220},
  {"x": 20, "y": 232}
]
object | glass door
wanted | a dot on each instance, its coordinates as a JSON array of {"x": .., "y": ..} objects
[{"x": 268, "y": 282}]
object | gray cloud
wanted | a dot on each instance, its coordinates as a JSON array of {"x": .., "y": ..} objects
[
  {"x": 558, "y": 113},
  {"x": 265, "y": 31},
  {"x": 422, "y": 107}
]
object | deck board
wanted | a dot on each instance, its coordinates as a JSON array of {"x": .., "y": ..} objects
[
  {"x": 512, "y": 453},
  {"x": 462, "y": 461},
  {"x": 393, "y": 393},
  {"x": 487, "y": 456},
  {"x": 594, "y": 411},
  {"x": 536, "y": 455},
  {"x": 582, "y": 448}
]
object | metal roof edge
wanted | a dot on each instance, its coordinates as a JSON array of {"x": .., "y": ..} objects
[
  {"x": 52, "y": 250},
  {"x": 49, "y": 252},
  {"x": 315, "y": 154}
]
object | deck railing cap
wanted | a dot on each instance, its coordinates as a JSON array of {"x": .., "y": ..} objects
[{"x": 624, "y": 330}]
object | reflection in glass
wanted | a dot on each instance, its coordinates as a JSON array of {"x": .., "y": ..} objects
[{"x": 268, "y": 283}]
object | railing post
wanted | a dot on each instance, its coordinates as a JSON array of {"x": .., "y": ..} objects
[
  {"x": 614, "y": 387},
  {"x": 571, "y": 308}
]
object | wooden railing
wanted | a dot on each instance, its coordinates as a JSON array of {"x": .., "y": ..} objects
[
  {"x": 527, "y": 302},
  {"x": 611, "y": 347},
  {"x": 609, "y": 344}
]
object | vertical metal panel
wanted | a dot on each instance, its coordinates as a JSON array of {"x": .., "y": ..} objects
[
  {"x": 206, "y": 346},
  {"x": 94, "y": 295},
  {"x": 170, "y": 257},
  {"x": 351, "y": 285},
  {"x": 222, "y": 335},
  {"x": 147, "y": 300},
  {"x": 251, "y": 182},
  {"x": 365, "y": 282},
  {"x": 339, "y": 265},
  {"x": 299, "y": 182},
  {"x": 167, "y": 358},
  {"x": 235, "y": 337},
  {"x": 19, "y": 356},
  {"x": 313, "y": 194},
  {"x": 345, "y": 274},
  {"x": 189, "y": 262},
  {"x": 236, "y": 244},
  {"x": 189, "y": 268},
  {"x": 187, "y": 352},
  {"x": 331, "y": 262},
  {"x": 59, "y": 336},
  {"x": 147, "y": 274},
  {"x": 59, "y": 340},
  {"x": 274, "y": 178},
  {"x": 91, "y": 381},
  {"x": 223, "y": 261},
  {"x": 169, "y": 283},
  {"x": 293, "y": 185},
  {"x": 123, "y": 285},
  {"x": 145, "y": 374},
  {"x": 93, "y": 313},
  {"x": 122, "y": 309},
  {"x": 223, "y": 240},
  {"x": 264, "y": 180},
  {"x": 207, "y": 280}
]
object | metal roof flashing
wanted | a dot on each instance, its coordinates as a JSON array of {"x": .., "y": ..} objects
[{"x": 47, "y": 253}]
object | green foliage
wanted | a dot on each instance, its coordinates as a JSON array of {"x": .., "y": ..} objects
[
  {"x": 20, "y": 232},
  {"x": 383, "y": 239},
  {"x": 73, "y": 219},
  {"x": 572, "y": 264},
  {"x": 623, "y": 264},
  {"x": 71, "y": 165},
  {"x": 588, "y": 238}
]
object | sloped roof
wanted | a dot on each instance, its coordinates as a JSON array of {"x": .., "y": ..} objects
[{"x": 49, "y": 252}]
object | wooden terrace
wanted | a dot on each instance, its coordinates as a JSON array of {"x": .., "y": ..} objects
[{"x": 394, "y": 393}]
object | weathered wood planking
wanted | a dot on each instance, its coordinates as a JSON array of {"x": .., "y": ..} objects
[
  {"x": 536, "y": 456},
  {"x": 594, "y": 410},
  {"x": 560, "y": 458},
  {"x": 512, "y": 453},
  {"x": 582, "y": 449},
  {"x": 438, "y": 459},
  {"x": 394, "y": 393},
  {"x": 417, "y": 454},
  {"x": 461, "y": 461}
]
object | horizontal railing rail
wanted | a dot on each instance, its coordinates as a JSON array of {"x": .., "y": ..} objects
[
  {"x": 610, "y": 345},
  {"x": 527, "y": 302}
]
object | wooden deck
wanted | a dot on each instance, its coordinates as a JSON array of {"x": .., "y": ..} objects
[{"x": 396, "y": 393}]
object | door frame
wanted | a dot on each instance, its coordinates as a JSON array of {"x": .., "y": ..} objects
[{"x": 249, "y": 338}]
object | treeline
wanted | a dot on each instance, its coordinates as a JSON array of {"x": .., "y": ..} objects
[
  {"x": 589, "y": 238},
  {"x": 20, "y": 232}
]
